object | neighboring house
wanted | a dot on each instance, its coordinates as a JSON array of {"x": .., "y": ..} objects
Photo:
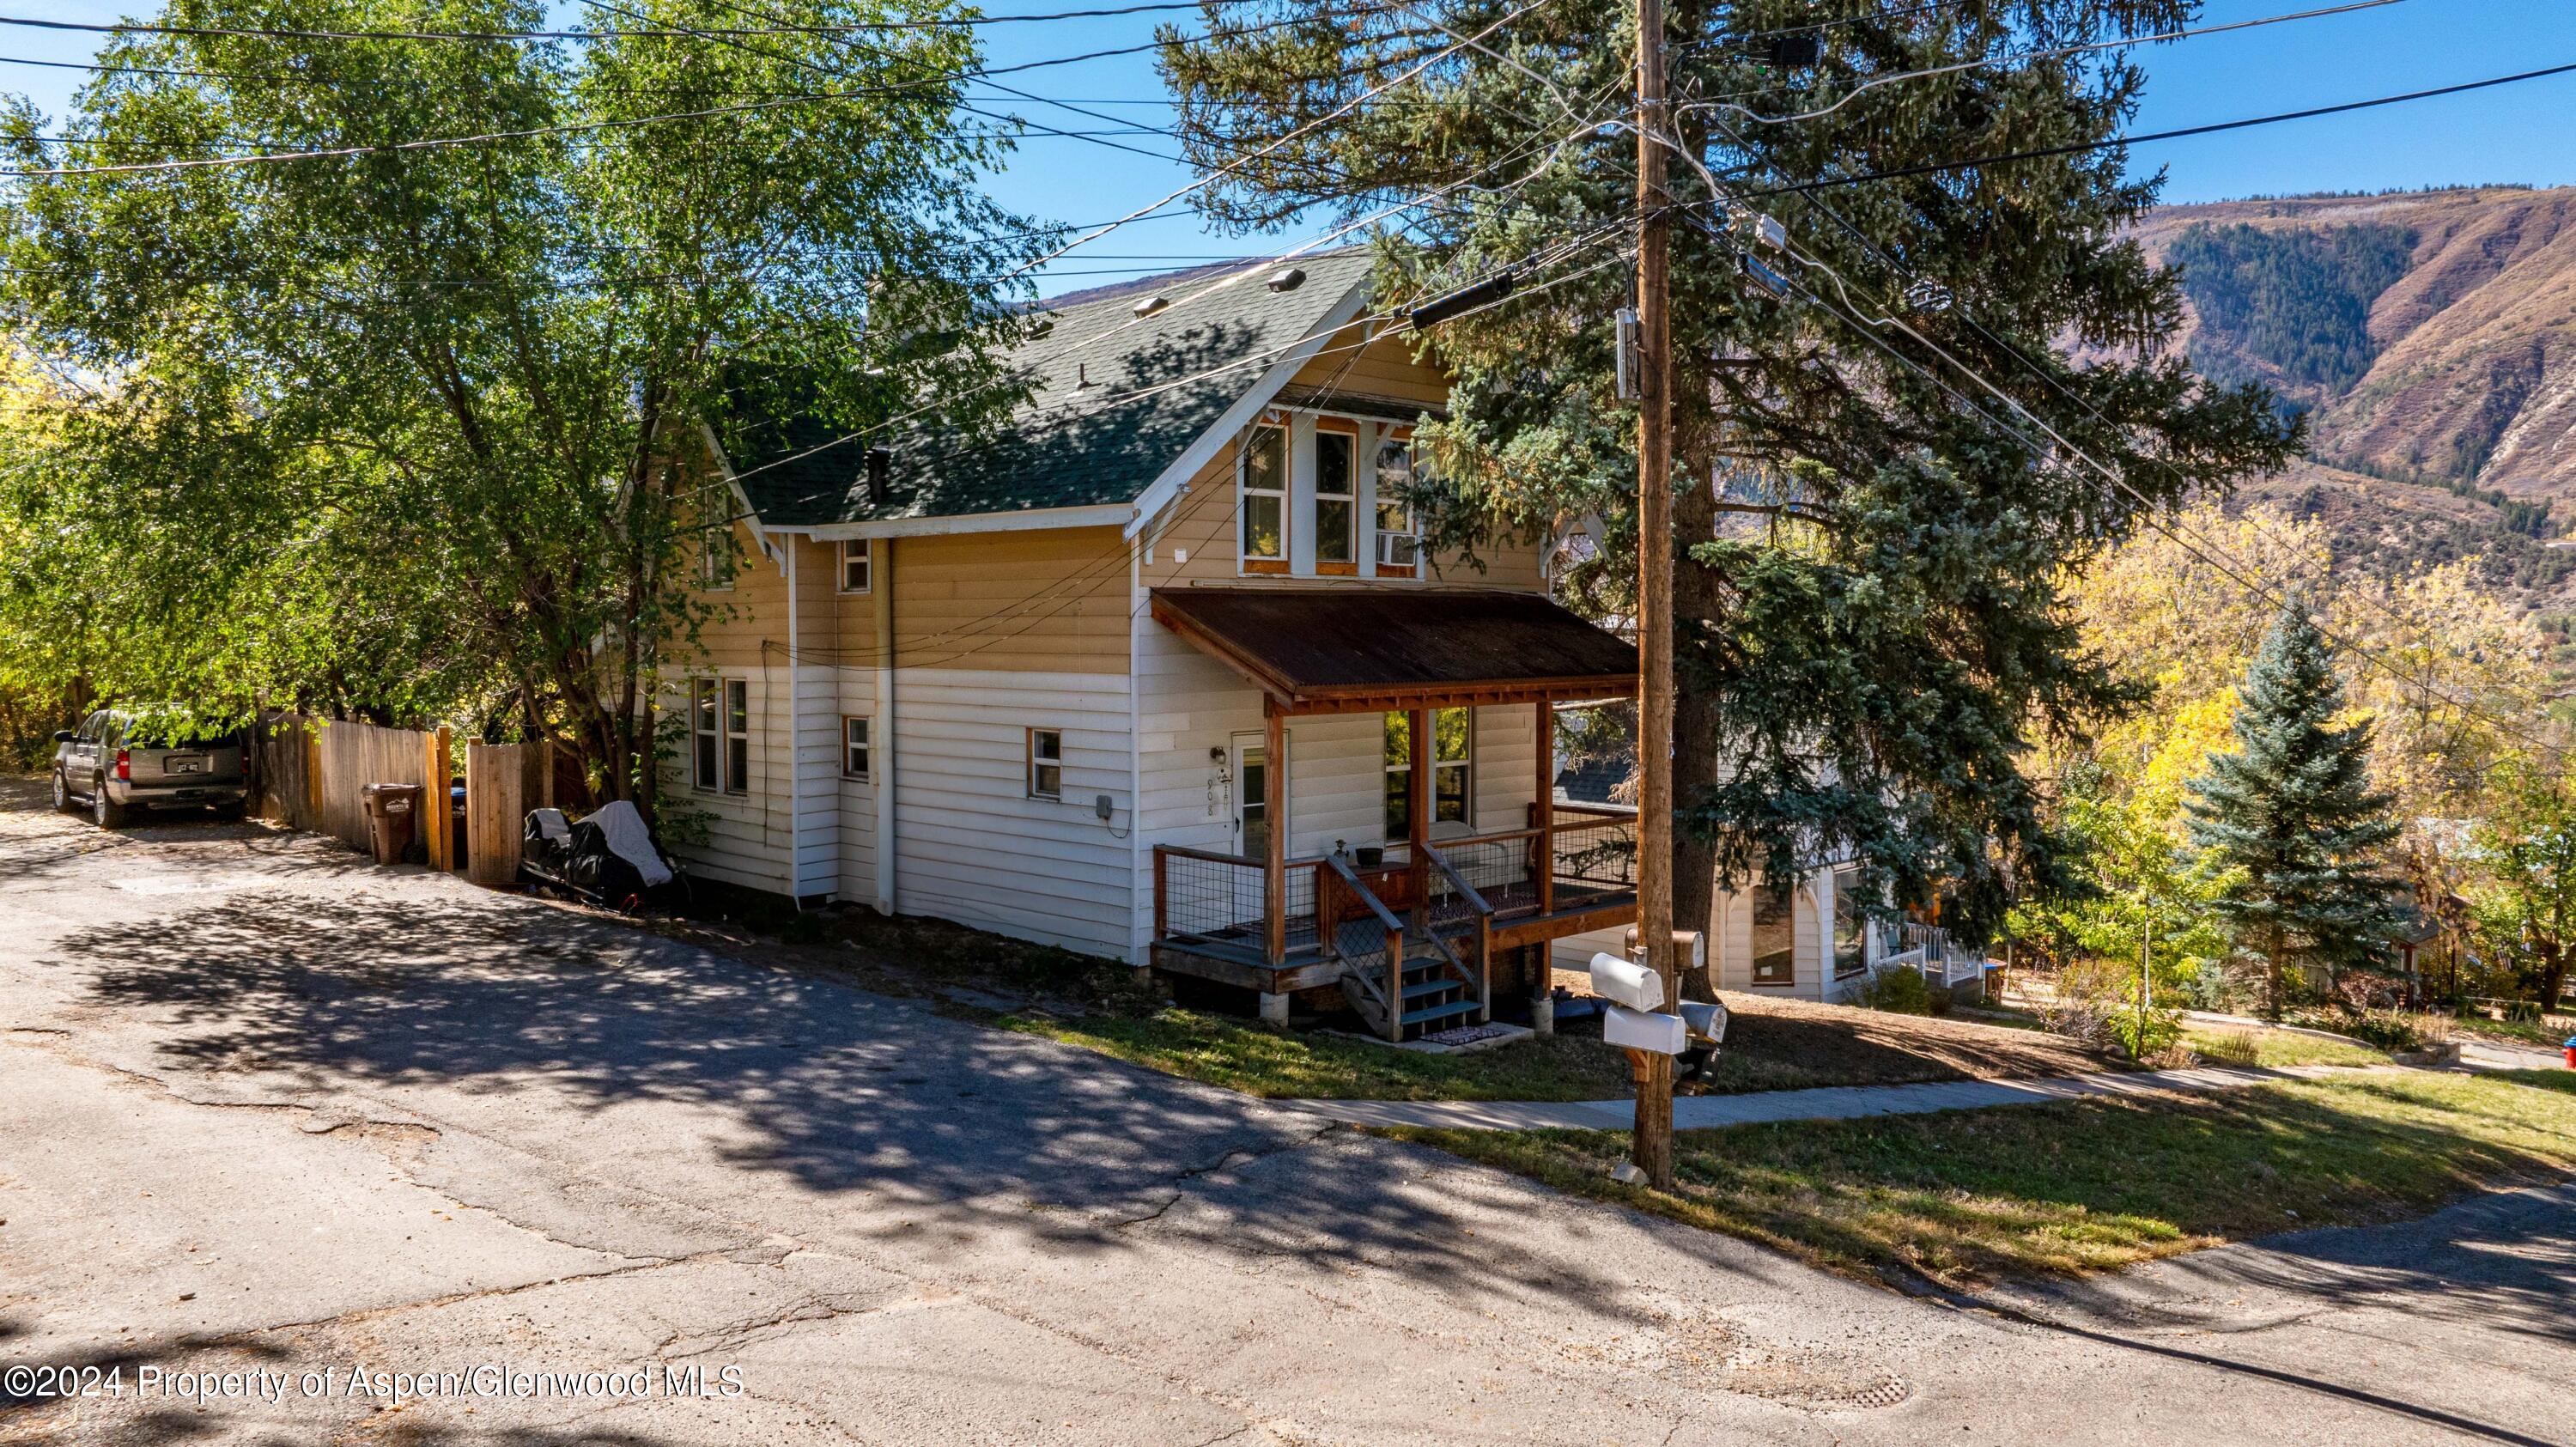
[
  {"x": 1162, "y": 674},
  {"x": 1812, "y": 941}
]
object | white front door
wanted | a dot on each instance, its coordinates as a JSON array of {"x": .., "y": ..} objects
[{"x": 1251, "y": 792}]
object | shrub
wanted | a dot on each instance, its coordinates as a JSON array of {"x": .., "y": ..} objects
[
  {"x": 1899, "y": 992},
  {"x": 2146, "y": 1035},
  {"x": 2236, "y": 1047}
]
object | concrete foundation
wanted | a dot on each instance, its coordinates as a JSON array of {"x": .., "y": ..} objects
[
  {"x": 1543, "y": 1013},
  {"x": 1274, "y": 1009}
]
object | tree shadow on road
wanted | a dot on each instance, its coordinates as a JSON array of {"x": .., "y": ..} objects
[{"x": 774, "y": 1070}]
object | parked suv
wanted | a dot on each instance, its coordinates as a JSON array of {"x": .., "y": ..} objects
[{"x": 114, "y": 763}]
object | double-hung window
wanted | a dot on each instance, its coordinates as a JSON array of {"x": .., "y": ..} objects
[
  {"x": 1775, "y": 936},
  {"x": 1046, "y": 763},
  {"x": 715, "y": 556},
  {"x": 854, "y": 565},
  {"x": 1452, "y": 769},
  {"x": 737, "y": 736},
  {"x": 1337, "y": 502},
  {"x": 1265, "y": 499},
  {"x": 706, "y": 734},
  {"x": 1399, "y": 544},
  {"x": 1851, "y": 923},
  {"x": 855, "y": 747}
]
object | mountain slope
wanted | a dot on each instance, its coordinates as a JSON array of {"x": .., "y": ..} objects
[{"x": 2431, "y": 337}]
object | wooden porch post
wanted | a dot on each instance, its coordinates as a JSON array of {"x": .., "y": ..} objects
[
  {"x": 1545, "y": 820},
  {"x": 1417, "y": 795},
  {"x": 1274, "y": 817}
]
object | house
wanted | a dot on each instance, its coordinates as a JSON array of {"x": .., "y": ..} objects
[
  {"x": 1163, "y": 674},
  {"x": 1811, "y": 941},
  {"x": 1815, "y": 940}
]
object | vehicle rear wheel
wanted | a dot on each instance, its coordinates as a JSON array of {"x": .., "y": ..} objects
[{"x": 106, "y": 811}]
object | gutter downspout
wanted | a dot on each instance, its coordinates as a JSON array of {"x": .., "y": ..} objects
[
  {"x": 881, "y": 587},
  {"x": 795, "y": 754}
]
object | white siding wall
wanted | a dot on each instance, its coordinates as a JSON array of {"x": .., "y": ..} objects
[
  {"x": 972, "y": 846},
  {"x": 747, "y": 840},
  {"x": 818, "y": 821},
  {"x": 1188, "y": 705},
  {"x": 856, "y": 801}
]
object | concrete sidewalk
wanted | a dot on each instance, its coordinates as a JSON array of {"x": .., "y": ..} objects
[{"x": 1848, "y": 1102}]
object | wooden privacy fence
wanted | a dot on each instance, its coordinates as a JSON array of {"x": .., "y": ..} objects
[{"x": 314, "y": 777}]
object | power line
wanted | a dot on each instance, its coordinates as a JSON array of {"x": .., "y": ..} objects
[
  {"x": 2051, "y": 53},
  {"x": 522, "y": 37},
  {"x": 2141, "y": 138}
]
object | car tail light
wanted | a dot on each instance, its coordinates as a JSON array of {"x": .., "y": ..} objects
[{"x": 125, "y": 765}]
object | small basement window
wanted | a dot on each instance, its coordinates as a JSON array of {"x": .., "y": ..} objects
[
  {"x": 854, "y": 748},
  {"x": 1046, "y": 763},
  {"x": 854, "y": 565}
]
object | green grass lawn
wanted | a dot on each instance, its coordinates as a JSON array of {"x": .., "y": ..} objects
[
  {"x": 2538, "y": 1034},
  {"x": 2218, "y": 1044},
  {"x": 1771, "y": 1045},
  {"x": 2081, "y": 1186},
  {"x": 1257, "y": 1060}
]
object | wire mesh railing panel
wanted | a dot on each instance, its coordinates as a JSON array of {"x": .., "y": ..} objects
[
  {"x": 1598, "y": 854},
  {"x": 1210, "y": 897}
]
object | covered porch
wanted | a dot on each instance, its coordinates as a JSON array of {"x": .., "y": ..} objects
[{"x": 1412, "y": 929}]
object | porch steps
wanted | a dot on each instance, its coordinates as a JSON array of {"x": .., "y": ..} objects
[{"x": 1431, "y": 993}]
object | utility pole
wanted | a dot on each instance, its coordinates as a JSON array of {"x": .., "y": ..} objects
[{"x": 1652, "y": 1141}]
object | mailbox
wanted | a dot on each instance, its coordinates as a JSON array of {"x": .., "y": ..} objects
[
  {"x": 1643, "y": 1030},
  {"x": 1624, "y": 982}
]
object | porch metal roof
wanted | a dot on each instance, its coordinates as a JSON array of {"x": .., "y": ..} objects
[{"x": 1352, "y": 647}]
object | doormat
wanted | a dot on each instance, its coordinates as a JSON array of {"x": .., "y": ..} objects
[{"x": 1470, "y": 1035}]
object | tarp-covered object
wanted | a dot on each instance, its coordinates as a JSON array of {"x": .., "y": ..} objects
[{"x": 609, "y": 857}]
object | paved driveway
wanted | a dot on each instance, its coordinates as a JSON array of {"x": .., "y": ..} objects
[{"x": 273, "y": 1113}]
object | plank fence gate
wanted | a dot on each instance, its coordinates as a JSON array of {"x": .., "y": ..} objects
[{"x": 313, "y": 774}]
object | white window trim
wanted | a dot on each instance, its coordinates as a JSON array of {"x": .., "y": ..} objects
[
  {"x": 1379, "y": 536},
  {"x": 716, "y": 558},
  {"x": 855, "y": 550},
  {"x": 1244, "y": 491},
  {"x": 702, "y": 726},
  {"x": 867, "y": 747},
  {"x": 1035, "y": 761},
  {"x": 1316, "y": 497},
  {"x": 736, "y": 780}
]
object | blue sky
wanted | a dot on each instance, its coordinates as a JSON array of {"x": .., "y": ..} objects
[{"x": 2514, "y": 133}]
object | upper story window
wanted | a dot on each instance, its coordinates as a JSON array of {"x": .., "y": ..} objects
[
  {"x": 1265, "y": 500},
  {"x": 715, "y": 555},
  {"x": 854, "y": 565},
  {"x": 1337, "y": 497},
  {"x": 1399, "y": 544}
]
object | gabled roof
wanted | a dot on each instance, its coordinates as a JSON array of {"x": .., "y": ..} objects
[{"x": 1081, "y": 440}]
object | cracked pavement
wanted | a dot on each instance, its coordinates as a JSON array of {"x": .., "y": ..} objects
[{"x": 268, "y": 1107}]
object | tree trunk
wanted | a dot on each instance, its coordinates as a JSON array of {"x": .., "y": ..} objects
[
  {"x": 1695, "y": 715},
  {"x": 2272, "y": 1008},
  {"x": 2553, "y": 974}
]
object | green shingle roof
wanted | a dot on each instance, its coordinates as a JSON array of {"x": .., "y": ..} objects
[{"x": 1078, "y": 441}]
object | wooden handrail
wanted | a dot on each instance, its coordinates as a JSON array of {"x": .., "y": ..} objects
[
  {"x": 1212, "y": 856},
  {"x": 1475, "y": 900}
]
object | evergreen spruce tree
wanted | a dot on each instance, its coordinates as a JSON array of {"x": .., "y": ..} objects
[
  {"x": 2293, "y": 812},
  {"x": 1869, "y": 549}
]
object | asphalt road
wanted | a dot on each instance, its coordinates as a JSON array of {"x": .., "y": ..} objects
[{"x": 275, "y": 1124}]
